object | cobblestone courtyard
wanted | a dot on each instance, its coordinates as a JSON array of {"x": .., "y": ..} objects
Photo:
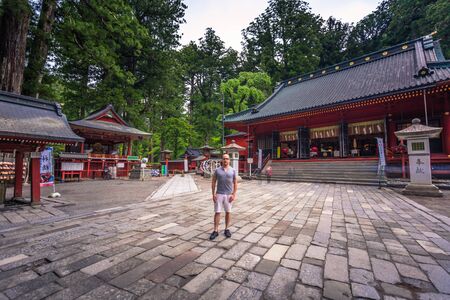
[{"x": 290, "y": 240}]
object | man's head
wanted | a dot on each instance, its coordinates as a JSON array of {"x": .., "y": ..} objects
[{"x": 225, "y": 160}]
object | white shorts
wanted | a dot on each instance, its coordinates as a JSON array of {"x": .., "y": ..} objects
[{"x": 222, "y": 203}]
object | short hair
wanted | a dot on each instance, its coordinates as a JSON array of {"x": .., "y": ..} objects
[{"x": 226, "y": 155}]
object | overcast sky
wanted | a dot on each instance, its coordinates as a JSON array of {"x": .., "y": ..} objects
[{"x": 229, "y": 17}]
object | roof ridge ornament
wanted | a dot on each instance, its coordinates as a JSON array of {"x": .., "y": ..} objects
[{"x": 58, "y": 109}]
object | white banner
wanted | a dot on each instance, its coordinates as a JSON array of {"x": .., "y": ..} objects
[
  {"x": 71, "y": 166},
  {"x": 382, "y": 158},
  {"x": 47, "y": 177},
  {"x": 259, "y": 158}
]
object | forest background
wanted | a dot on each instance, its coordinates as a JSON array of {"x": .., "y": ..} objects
[{"x": 89, "y": 53}]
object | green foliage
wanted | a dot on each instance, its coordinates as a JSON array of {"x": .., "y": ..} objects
[
  {"x": 91, "y": 39},
  {"x": 206, "y": 64},
  {"x": 178, "y": 132},
  {"x": 438, "y": 14},
  {"x": 333, "y": 41},
  {"x": 245, "y": 91},
  {"x": 284, "y": 40}
]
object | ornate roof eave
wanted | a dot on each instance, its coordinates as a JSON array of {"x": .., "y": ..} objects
[
  {"x": 233, "y": 146},
  {"x": 207, "y": 147},
  {"x": 364, "y": 101}
]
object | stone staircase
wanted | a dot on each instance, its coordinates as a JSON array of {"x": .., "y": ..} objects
[{"x": 362, "y": 172}]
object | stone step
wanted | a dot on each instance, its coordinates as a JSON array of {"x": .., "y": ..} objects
[
  {"x": 329, "y": 173},
  {"x": 344, "y": 172},
  {"x": 372, "y": 181}
]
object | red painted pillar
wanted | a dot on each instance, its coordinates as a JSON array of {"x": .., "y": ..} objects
[
  {"x": 82, "y": 147},
  {"x": 35, "y": 181},
  {"x": 129, "y": 148},
  {"x": 446, "y": 133},
  {"x": 392, "y": 139},
  {"x": 88, "y": 168},
  {"x": 18, "y": 170}
]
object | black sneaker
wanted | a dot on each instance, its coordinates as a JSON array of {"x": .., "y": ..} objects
[
  {"x": 213, "y": 235},
  {"x": 227, "y": 233}
]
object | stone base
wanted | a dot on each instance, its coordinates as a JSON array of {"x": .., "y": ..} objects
[
  {"x": 139, "y": 174},
  {"x": 427, "y": 190}
]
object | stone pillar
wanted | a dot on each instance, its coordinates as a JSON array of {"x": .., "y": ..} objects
[
  {"x": 418, "y": 137},
  {"x": 18, "y": 170},
  {"x": 186, "y": 164}
]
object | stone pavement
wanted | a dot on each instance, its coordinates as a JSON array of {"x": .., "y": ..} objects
[
  {"x": 78, "y": 198},
  {"x": 290, "y": 240},
  {"x": 177, "y": 185}
]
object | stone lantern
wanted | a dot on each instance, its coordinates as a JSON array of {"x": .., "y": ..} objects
[
  {"x": 166, "y": 156},
  {"x": 418, "y": 137},
  {"x": 233, "y": 150}
]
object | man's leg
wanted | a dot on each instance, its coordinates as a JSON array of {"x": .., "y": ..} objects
[
  {"x": 227, "y": 219},
  {"x": 216, "y": 221}
]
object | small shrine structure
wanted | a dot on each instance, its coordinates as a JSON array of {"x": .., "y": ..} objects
[
  {"x": 27, "y": 125},
  {"x": 104, "y": 131}
]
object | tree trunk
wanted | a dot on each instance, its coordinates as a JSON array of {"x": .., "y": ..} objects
[
  {"x": 13, "y": 30},
  {"x": 39, "y": 49}
]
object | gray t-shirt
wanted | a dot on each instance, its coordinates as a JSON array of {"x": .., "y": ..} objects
[{"x": 225, "y": 180}]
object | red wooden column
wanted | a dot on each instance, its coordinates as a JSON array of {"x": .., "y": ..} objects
[
  {"x": 446, "y": 132},
  {"x": 129, "y": 148},
  {"x": 446, "y": 126},
  {"x": 18, "y": 166},
  {"x": 35, "y": 181},
  {"x": 82, "y": 147},
  {"x": 392, "y": 139}
]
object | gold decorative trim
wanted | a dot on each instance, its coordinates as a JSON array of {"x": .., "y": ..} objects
[
  {"x": 385, "y": 53},
  {"x": 351, "y": 63},
  {"x": 337, "y": 68},
  {"x": 367, "y": 58},
  {"x": 405, "y": 47}
]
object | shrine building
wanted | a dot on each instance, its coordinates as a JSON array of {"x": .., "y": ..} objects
[
  {"x": 336, "y": 113},
  {"x": 107, "y": 146},
  {"x": 27, "y": 126}
]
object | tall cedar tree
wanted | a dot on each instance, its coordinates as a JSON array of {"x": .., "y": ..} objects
[
  {"x": 206, "y": 65},
  {"x": 34, "y": 71},
  {"x": 284, "y": 40},
  {"x": 333, "y": 40},
  {"x": 14, "y": 24}
]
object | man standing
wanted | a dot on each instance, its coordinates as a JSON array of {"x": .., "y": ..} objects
[{"x": 225, "y": 176}]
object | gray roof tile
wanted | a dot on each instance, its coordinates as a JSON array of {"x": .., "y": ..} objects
[
  {"x": 385, "y": 72},
  {"x": 36, "y": 119}
]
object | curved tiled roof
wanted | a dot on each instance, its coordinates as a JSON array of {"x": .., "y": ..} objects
[
  {"x": 118, "y": 125},
  {"x": 34, "y": 119},
  {"x": 108, "y": 126},
  {"x": 409, "y": 66}
]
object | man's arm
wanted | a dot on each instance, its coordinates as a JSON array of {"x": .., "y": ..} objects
[
  {"x": 235, "y": 186},
  {"x": 213, "y": 187}
]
